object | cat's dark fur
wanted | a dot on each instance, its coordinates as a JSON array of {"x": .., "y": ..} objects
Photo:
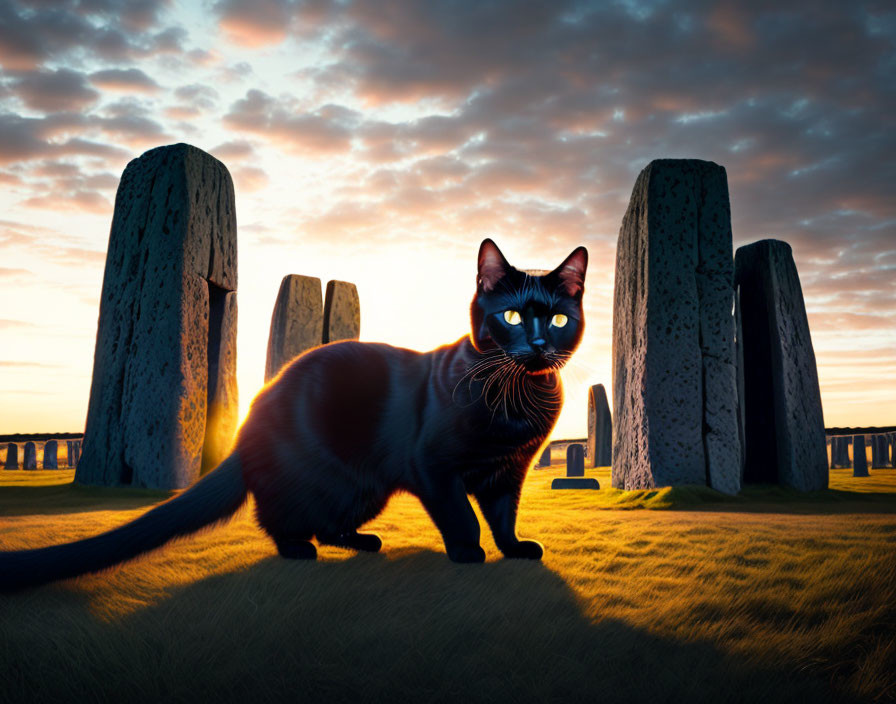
[{"x": 346, "y": 425}]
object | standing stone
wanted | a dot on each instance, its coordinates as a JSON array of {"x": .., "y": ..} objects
[
  {"x": 163, "y": 401},
  {"x": 297, "y": 323},
  {"x": 783, "y": 422},
  {"x": 76, "y": 452},
  {"x": 30, "y": 460},
  {"x": 600, "y": 427},
  {"x": 892, "y": 440},
  {"x": 50, "y": 450},
  {"x": 859, "y": 461},
  {"x": 545, "y": 459},
  {"x": 575, "y": 471},
  {"x": 840, "y": 452},
  {"x": 342, "y": 312},
  {"x": 674, "y": 371},
  {"x": 12, "y": 456},
  {"x": 68, "y": 453},
  {"x": 879, "y": 452}
]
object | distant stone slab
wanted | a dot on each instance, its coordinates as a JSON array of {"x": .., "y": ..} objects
[
  {"x": 600, "y": 427},
  {"x": 674, "y": 371},
  {"x": 575, "y": 461},
  {"x": 342, "y": 312},
  {"x": 545, "y": 459},
  {"x": 163, "y": 402},
  {"x": 840, "y": 452},
  {"x": 880, "y": 456},
  {"x": 30, "y": 459},
  {"x": 783, "y": 422},
  {"x": 575, "y": 483},
  {"x": 859, "y": 461},
  {"x": 12, "y": 456},
  {"x": 297, "y": 323},
  {"x": 50, "y": 451}
]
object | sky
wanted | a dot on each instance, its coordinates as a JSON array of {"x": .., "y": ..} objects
[{"x": 380, "y": 142}]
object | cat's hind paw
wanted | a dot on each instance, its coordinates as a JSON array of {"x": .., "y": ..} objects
[
  {"x": 297, "y": 549},
  {"x": 525, "y": 550},
  {"x": 466, "y": 553}
]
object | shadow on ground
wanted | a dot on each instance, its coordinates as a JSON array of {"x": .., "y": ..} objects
[{"x": 407, "y": 628}]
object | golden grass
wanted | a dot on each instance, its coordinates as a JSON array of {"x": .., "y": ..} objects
[{"x": 772, "y": 596}]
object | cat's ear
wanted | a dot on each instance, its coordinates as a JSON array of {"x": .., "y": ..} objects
[
  {"x": 492, "y": 266},
  {"x": 571, "y": 272}
]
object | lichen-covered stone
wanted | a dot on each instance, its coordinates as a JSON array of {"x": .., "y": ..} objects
[
  {"x": 30, "y": 459},
  {"x": 859, "y": 461},
  {"x": 12, "y": 456},
  {"x": 342, "y": 312},
  {"x": 50, "y": 459},
  {"x": 783, "y": 421},
  {"x": 297, "y": 323},
  {"x": 674, "y": 372},
  {"x": 163, "y": 401},
  {"x": 600, "y": 427}
]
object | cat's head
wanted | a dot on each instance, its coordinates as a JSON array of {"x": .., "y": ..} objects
[{"x": 535, "y": 319}]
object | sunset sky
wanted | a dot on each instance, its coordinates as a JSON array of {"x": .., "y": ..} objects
[{"x": 380, "y": 142}]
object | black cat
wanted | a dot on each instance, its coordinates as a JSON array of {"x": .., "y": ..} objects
[{"x": 346, "y": 425}]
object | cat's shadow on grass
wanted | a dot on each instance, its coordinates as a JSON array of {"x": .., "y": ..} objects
[{"x": 404, "y": 626}]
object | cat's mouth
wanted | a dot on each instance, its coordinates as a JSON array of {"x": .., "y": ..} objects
[{"x": 538, "y": 364}]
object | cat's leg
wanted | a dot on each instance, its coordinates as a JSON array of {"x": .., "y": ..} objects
[
  {"x": 294, "y": 548},
  {"x": 353, "y": 540},
  {"x": 447, "y": 504},
  {"x": 499, "y": 506}
]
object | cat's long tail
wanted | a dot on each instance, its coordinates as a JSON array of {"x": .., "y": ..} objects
[{"x": 215, "y": 497}]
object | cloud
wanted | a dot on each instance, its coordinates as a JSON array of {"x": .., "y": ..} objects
[
  {"x": 326, "y": 130},
  {"x": 50, "y": 91},
  {"x": 235, "y": 150},
  {"x": 257, "y": 24},
  {"x": 124, "y": 79},
  {"x": 250, "y": 179}
]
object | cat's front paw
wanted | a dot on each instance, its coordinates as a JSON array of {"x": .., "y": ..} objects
[
  {"x": 525, "y": 550},
  {"x": 466, "y": 553}
]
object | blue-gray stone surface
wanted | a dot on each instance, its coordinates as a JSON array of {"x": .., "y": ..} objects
[
  {"x": 674, "y": 371},
  {"x": 783, "y": 420},
  {"x": 600, "y": 427},
  {"x": 163, "y": 401},
  {"x": 30, "y": 459},
  {"x": 12, "y": 456},
  {"x": 859, "y": 461},
  {"x": 50, "y": 459}
]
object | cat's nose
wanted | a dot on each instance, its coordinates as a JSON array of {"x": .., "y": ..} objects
[{"x": 538, "y": 343}]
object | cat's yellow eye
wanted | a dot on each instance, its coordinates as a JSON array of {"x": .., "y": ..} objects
[
  {"x": 512, "y": 317},
  {"x": 559, "y": 320}
]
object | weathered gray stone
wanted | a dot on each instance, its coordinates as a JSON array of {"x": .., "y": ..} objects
[
  {"x": 783, "y": 422},
  {"x": 545, "y": 459},
  {"x": 76, "y": 452},
  {"x": 879, "y": 452},
  {"x": 163, "y": 401},
  {"x": 600, "y": 427},
  {"x": 674, "y": 373},
  {"x": 69, "y": 457},
  {"x": 297, "y": 323},
  {"x": 50, "y": 459},
  {"x": 859, "y": 461},
  {"x": 575, "y": 461},
  {"x": 30, "y": 459},
  {"x": 342, "y": 312},
  {"x": 575, "y": 483},
  {"x": 12, "y": 456}
]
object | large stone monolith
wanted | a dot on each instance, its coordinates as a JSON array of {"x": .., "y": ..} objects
[
  {"x": 297, "y": 323},
  {"x": 342, "y": 312},
  {"x": 783, "y": 421},
  {"x": 859, "y": 461},
  {"x": 600, "y": 427},
  {"x": 12, "y": 456},
  {"x": 674, "y": 377},
  {"x": 163, "y": 401},
  {"x": 50, "y": 459},
  {"x": 30, "y": 459}
]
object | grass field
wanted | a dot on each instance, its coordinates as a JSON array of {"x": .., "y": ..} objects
[{"x": 768, "y": 597}]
